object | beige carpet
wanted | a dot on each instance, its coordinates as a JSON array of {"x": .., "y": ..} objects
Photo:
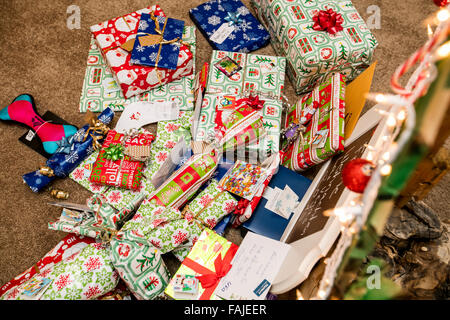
[{"x": 41, "y": 56}]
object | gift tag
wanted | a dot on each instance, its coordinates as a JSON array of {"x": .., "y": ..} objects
[
  {"x": 228, "y": 66},
  {"x": 185, "y": 283},
  {"x": 110, "y": 85},
  {"x": 227, "y": 103},
  {"x": 222, "y": 33},
  {"x": 286, "y": 202},
  {"x": 320, "y": 138}
]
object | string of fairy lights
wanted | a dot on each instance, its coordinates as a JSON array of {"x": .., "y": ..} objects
[{"x": 398, "y": 123}]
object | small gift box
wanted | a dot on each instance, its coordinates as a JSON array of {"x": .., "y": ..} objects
[
  {"x": 157, "y": 42},
  {"x": 324, "y": 134},
  {"x": 251, "y": 72},
  {"x": 228, "y": 25},
  {"x": 318, "y": 38},
  {"x": 87, "y": 274},
  {"x": 209, "y": 259},
  {"x": 141, "y": 267},
  {"x": 114, "y": 35},
  {"x": 101, "y": 91},
  {"x": 113, "y": 167},
  {"x": 67, "y": 247}
]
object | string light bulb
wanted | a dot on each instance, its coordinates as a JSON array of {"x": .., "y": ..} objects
[
  {"x": 443, "y": 15},
  {"x": 391, "y": 121},
  {"x": 401, "y": 115},
  {"x": 386, "y": 170},
  {"x": 443, "y": 51}
]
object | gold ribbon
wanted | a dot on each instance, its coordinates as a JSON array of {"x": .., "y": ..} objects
[
  {"x": 195, "y": 218},
  {"x": 97, "y": 130}
]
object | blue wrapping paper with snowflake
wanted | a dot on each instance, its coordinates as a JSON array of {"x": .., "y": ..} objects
[
  {"x": 157, "y": 42},
  {"x": 71, "y": 152},
  {"x": 229, "y": 26}
]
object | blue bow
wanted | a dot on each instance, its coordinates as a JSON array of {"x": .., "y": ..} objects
[
  {"x": 233, "y": 18},
  {"x": 64, "y": 145}
]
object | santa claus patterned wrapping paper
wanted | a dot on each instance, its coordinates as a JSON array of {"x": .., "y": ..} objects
[{"x": 135, "y": 79}]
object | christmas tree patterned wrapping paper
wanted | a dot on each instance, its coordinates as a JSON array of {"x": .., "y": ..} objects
[
  {"x": 324, "y": 135},
  {"x": 141, "y": 267},
  {"x": 237, "y": 29},
  {"x": 100, "y": 89},
  {"x": 87, "y": 274},
  {"x": 68, "y": 246},
  {"x": 135, "y": 79},
  {"x": 312, "y": 55},
  {"x": 201, "y": 260},
  {"x": 259, "y": 73}
]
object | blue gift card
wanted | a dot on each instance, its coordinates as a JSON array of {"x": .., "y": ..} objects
[
  {"x": 228, "y": 25},
  {"x": 157, "y": 42}
]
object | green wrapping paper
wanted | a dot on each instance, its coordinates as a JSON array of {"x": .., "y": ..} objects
[
  {"x": 312, "y": 55},
  {"x": 168, "y": 229},
  {"x": 87, "y": 274},
  {"x": 140, "y": 267}
]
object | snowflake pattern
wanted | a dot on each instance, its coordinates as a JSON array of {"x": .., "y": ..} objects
[
  {"x": 63, "y": 281},
  {"x": 92, "y": 292},
  {"x": 179, "y": 237},
  {"x": 214, "y": 20},
  {"x": 78, "y": 174},
  {"x": 243, "y": 11},
  {"x": 71, "y": 157},
  {"x": 139, "y": 48},
  {"x": 115, "y": 196},
  {"x": 93, "y": 263},
  {"x": 143, "y": 25}
]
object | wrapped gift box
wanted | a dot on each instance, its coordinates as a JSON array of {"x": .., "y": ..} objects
[
  {"x": 68, "y": 246},
  {"x": 167, "y": 228},
  {"x": 100, "y": 89},
  {"x": 228, "y": 25},
  {"x": 85, "y": 275},
  {"x": 124, "y": 172},
  {"x": 312, "y": 54},
  {"x": 133, "y": 79},
  {"x": 158, "y": 42},
  {"x": 209, "y": 251},
  {"x": 258, "y": 73},
  {"x": 141, "y": 267},
  {"x": 324, "y": 135}
]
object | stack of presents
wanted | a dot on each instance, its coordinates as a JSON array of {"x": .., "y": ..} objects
[{"x": 225, "y": 136}]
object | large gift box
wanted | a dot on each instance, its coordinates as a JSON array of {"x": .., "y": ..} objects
[
  {"x": 258, "y": 73},
  {"x": 314, "y": 50},
  {"x": 135, "y": 79},
  {"x": 324, "y": 133},
  {"x": 210, "y": 256},
  {"x": 100, "y": 89},
  {"x": 228, "y": 25}
]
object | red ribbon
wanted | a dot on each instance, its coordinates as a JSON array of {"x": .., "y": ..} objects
[
  {"x": 251, "y": 101},
  {"x": 209, "y": 279},
  {"x": 328, "y": 20}
]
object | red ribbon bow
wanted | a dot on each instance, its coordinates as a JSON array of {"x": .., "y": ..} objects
[
  {"x": 328, "y": 20},
  {"x": 253, "y": 102},
  {"x": 209, "y": 279}
]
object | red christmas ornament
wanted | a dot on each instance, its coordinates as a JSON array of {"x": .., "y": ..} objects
[
  {"x": 356, "y": 174},
  {"x": 441, "y": 3}
]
